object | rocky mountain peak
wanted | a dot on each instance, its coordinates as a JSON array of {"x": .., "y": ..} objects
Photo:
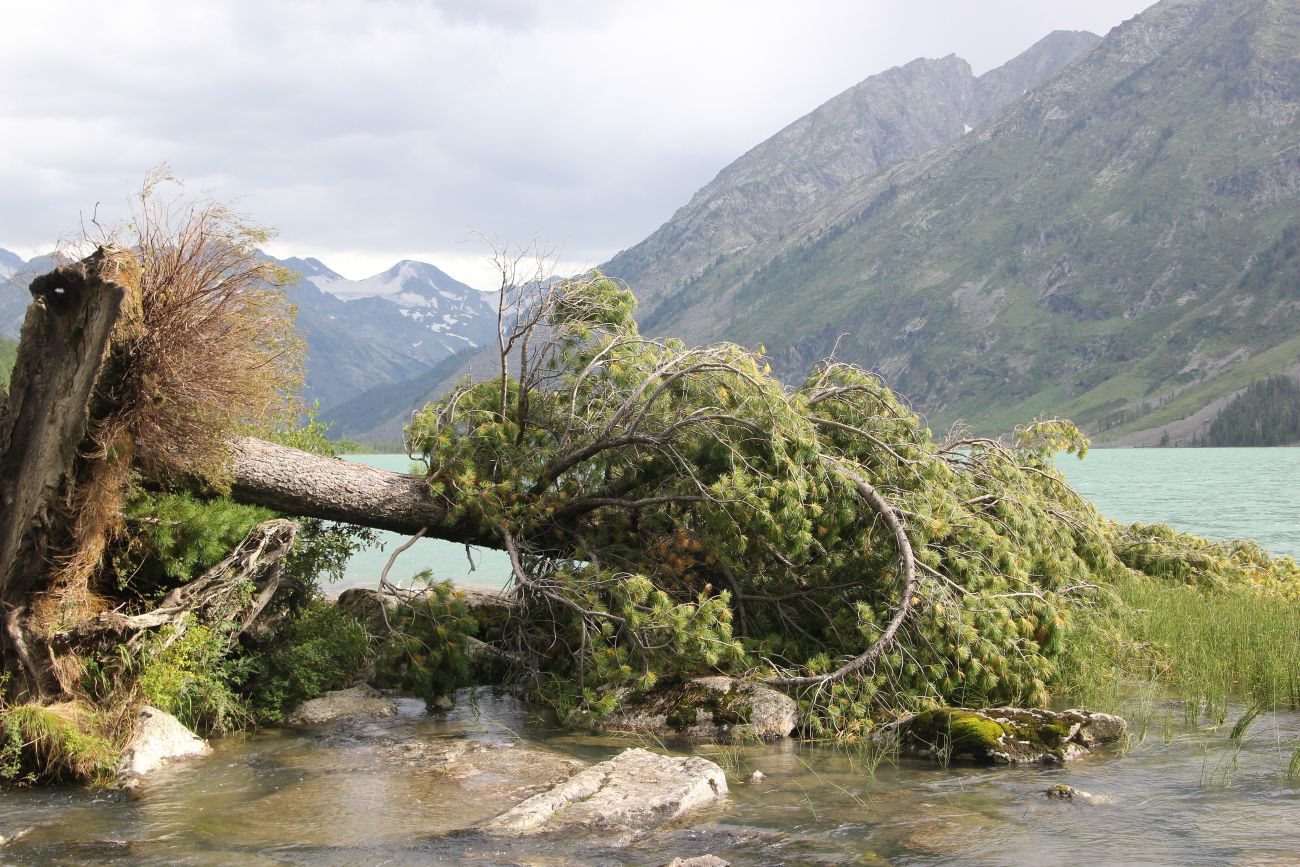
[{"x": 881, "y": 121}]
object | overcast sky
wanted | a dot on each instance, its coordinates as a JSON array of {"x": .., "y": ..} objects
[{"x": 367, "y": 131}]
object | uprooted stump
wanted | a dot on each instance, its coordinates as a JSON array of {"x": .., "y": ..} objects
[
  {"x": 707, "y": 708},
  {"x": 626, "y": 796},
  {"x": 220, "y": 595},
  {"x": 1008, "y": 735}
]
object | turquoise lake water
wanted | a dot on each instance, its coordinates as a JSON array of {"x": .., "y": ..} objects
[{"x": 1219, "y": 493}]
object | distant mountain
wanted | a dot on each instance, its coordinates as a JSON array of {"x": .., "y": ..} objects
[
  {"x": 881, "y": 121},
  {"x": 360, "y": 334},
  {"x": 381, "y": 413},
  {"x": 13, "y": 297},
  {"x": 385, "y": 329},
  {"x": 1120, "y": 246},
  {"x": 10, "y": 264}
]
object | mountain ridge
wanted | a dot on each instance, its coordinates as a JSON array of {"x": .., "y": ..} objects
[
  {"x": 882, "y": 120},
  {"x": 389, "y": 328},
  {"x": 1113, "y": 246}
]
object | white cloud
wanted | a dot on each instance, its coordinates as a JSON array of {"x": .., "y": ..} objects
[{"x": 372, "y": 127}]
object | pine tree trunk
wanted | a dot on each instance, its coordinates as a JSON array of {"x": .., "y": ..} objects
[{"x": 299, "y": 483}]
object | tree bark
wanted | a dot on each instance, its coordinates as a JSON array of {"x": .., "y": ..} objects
[
  {"x": 299, "y": 483},
  {"x": 61, "y": 352}
]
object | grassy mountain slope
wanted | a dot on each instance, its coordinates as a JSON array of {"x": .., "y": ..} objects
[
  {"x": 881, "y": 121},
  {"x": 1121, "y": 246}
]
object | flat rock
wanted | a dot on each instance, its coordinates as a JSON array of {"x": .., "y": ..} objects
[
  {"x": 359, "y": 701},
  {"x": 699, "y": 861},
  {"x": 158, "y": 737},
  {"x": 1009, "y": 735},
  {"x": 634, "y": 792},
  {"x": 709, "y": 708}
]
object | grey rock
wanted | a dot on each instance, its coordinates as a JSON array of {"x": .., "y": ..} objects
[
  {"x": 708, "y": 708},
  {"x": 628, "y": 795},
  {"x": 1062, "y": 792},
  {"x": 699, "y": 861},
  {"x": 159, "y": 737},
  {"x": 359, "y": 701}
]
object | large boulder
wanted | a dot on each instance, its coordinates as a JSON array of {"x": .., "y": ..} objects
[
  {"x": 359, "y": 701},
  {"x": 626, "y": 796},
  {"x": 707, "y": 708},
  {"x": 158, "y": 737},
  {"x": 1008, "y": 735}
]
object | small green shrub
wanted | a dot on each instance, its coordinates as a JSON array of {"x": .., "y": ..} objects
[
  {"x": 192, "y": 676},
  {"x": 174, "y": 538},
  {"x": 320, "y": 648},
  {"x": 428, "y": 653}
]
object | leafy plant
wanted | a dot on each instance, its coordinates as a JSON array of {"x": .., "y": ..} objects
[
  {"x": 318, "y": 649},
  {"x": 188, "y": 673},
  {"x": 427, "y": 653}
]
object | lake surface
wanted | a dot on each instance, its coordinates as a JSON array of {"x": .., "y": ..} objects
[{"x": 1219, "y": 493}]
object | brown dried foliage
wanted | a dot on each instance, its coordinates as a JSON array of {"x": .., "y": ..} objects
[
  {"x": 210, "y": 349},
  {"x": 206, "y": 350}
]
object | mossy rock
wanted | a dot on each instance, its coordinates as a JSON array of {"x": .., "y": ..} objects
[{"x": 1008, "y": 735}]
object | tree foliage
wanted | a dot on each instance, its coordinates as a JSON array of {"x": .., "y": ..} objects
[{"x": 671, "y": 511}]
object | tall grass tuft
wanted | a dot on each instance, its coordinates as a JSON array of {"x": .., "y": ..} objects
[
  {"x": 1220, "y": 646},
  {"x": 1211, "y": 647},
  {"x": 53, "y": 743}
]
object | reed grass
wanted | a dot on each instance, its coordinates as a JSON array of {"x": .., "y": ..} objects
[
  {"x": 1219, "y": 648},
  {"x": 1213, "y": 649}
]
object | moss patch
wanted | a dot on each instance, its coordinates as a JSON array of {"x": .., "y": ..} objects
[{"x": 947, "y": 731}]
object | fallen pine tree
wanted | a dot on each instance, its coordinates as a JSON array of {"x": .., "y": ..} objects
[{"x": 669, "y": 511}]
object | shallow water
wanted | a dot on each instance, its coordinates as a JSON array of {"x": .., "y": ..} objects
[
  {"x": 347, "y": 796},
  {"x": 1179, "y": 794}
]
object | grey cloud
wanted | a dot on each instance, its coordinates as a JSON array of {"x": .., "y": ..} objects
[{"x": 356, "y": 124}]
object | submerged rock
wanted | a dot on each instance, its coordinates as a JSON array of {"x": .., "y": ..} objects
[
  {"x": 708, "y": 708},
  {"x": 1062, "y": 792},
  {"x": 1008, "y": 735},
  {"x": 359, "y": 701},
  {"x": 630, "y": 794},
  {"x": 699, "y": 861},
  {"x": 158, "y": 737}
]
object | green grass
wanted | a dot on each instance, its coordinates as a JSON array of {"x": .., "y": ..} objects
[
  {"x": 8, "y": 353},
  {"x": 1222, "y": 647},
  {"x": 1212, "y": 649},
  {"x": 41, "y": 744}
]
